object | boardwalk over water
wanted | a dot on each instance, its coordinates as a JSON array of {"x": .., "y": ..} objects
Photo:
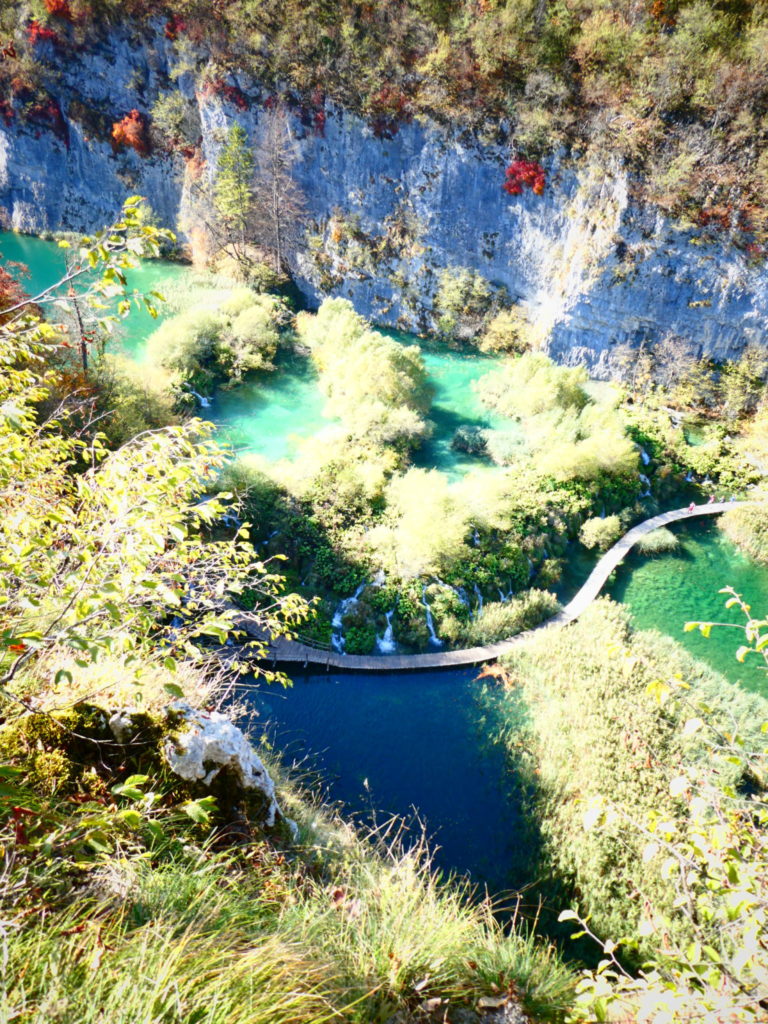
[{"x": 292, "y": 652}]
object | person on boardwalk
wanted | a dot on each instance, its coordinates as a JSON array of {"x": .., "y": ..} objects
[{"x": 691, "y": 507}]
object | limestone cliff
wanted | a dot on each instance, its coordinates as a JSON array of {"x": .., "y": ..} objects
[{"x": 592, "y": 267}]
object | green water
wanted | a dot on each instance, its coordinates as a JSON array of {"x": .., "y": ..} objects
[
  {"x": 666, "y": 592},
  {"x": 45, "y": 263},
  {"x": 269, "y": 414},
  {"x": 455, "y": 403}
]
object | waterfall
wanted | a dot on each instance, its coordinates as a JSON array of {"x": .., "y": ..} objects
[
  {"x": 645, "y": 456},
  {"x": 475, "y": 537},
  {"x": 479, "y": 597},
  {"x": 462, "y": 596},
  {"x": 205, "y": 403},
  {"x": 644, "y": 480},
  {"x": 337, "y": 622},
  {"x": 386, "y": 644},
  {"x": 434, "y": 639}
]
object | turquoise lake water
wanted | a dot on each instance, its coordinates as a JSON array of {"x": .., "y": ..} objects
[
  {"x": 666, "y": 592},
  {"x": 272, "y": 412}
]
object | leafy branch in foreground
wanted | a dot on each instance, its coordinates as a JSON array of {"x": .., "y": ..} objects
[{"x": 109, "y": 553}]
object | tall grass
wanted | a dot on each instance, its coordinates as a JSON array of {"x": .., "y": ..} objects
[
  {"x": 97, "y": 962},
  {"x": 204, "y": 939},
  {"x": 657, "y": 542}
]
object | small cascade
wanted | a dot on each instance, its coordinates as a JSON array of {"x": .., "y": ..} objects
[
  {"x": 646, "y": 458},
  {"x": 531, "y": 567},
  {"x": 386, "y": 644},
  {"x": 689, "y": 478},
  {"x": 476, "y": 538},
  {"x": 462, "y": 595},
  {"x": 479, "y": 596},
  {"x": 644, "y": 480},
  {"x": 337, "y": 622},
  {"x": 434, "y": 639},
  {"x": 205, "y": 403}
]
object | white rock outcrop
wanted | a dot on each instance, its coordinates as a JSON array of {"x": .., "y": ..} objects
[{"x": 211, "y": 741}]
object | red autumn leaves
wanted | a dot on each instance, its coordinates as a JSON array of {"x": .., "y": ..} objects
[{"x": 522, "y": 174}]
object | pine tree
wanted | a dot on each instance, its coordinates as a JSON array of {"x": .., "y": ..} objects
[{"x": 233, "y": 190}]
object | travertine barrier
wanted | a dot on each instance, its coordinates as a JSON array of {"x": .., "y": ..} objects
[{"x": 283, "y": 651}]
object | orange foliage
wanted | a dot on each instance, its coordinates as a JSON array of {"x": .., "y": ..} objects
[
  {"x": 59, "y": 8},
  {"x": 131, "y": 131}
]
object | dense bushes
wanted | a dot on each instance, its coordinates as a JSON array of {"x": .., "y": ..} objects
[
  {"x": 600, "y": 533},
  {"x": 377, "y": 387},
  {"x": 209, "y": 346},
  {"x": 595, "y": 732},
  {"x": 571, "y": 436},
  {"x": 657, "y": 542},
  {"x": 499, "y": 620}
]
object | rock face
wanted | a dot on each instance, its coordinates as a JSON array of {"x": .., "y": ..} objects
[{"x": 591, "y": 266}]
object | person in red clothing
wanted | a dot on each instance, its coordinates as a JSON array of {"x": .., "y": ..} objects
[{"x": 691, "y": 507}]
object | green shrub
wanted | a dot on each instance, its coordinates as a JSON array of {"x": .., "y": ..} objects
[
  {"x": 509, "y": 331},
  {"x": 377, "y": 387},
  {"x": 132, "y": 403},
  {"x": 463, "y": 303},
  {"x": 498, "y": 621},
  {"x": 218, "y": 342},
  {"x": 601, "y": 533}
]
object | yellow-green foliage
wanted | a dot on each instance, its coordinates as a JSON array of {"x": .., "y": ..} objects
[
  {"x": 133, "y": 402},
  {"x": 571, "y": 436},
  {"x": 509, "y": 331},
  {"x": 409, "y": 544},
  {"x": 747, "y": 527},
  {"x": 375, "y": 386},
  {"x": 464, "y": 302},
  {"x": 600, "y": 533},
  {"x": 595, "y": 732},
  {"x": 657, "y": 542},
  {"x": 499, "y": 620},
  {"x": 531, "y": 385},
  {"x": 218, "y": 343}
]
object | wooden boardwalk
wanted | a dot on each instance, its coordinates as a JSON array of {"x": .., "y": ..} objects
[{"x": 291, "y": 652}]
